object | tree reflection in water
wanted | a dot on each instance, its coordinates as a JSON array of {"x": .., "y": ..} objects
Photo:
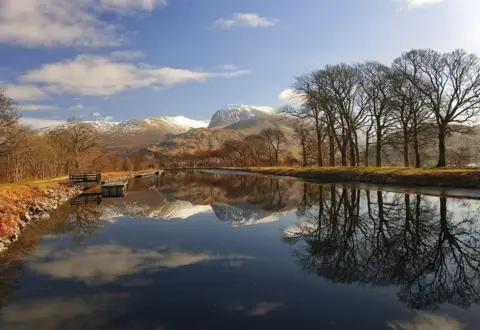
[{"x": 382, "y": 239}]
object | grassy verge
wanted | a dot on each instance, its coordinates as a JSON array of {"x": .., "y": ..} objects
[{"x": 441, "y": 177}]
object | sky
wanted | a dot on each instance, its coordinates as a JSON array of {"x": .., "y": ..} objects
[{"x": 116, "y": 60}]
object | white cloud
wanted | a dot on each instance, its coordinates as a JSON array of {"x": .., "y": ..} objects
[
  {"x": 37, "y": 107},
  {"x": 25, "y": 92},
  {"x": 96, "y": 114},
  {"x": 102, "y": 75},
  {"x": 76, "y": 107},
  {"x": 287, "y": 94},
  {"x": 445, "y": 32},
  {"x": 227, "y": 67},
  {"x": 108, "y": 118},
  {"x": 290, "y": 96},
  {"x": 38, "y": 123},
  {"x": 65, "y": 22},
  {"x": 123, "y": 6},
  {"x": 413, "y": 4},
  {"x": 249, "y": 20},
  {"x": 90, "y": 311},
  {"x": 428, "y": 321},
  {"x": 261, "y": 308},
  {"x": 99, "y": 264}
]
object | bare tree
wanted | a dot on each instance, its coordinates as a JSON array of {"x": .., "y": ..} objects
[
  {"x": 340, "y": 86},
  {"x": 9, "y": 118},
  {"x": 377, "y": 85},
  {"x": 241, "y": 148},
  {"x": 274, "y": 139},
  {"x": 311, "y": 108},
  {"x": 78, "y": 140},
  {"x": 257, "y": 147},
  {"x": 450, "y": 83},
  {"x": 411, "y": 115},
  {"x": 303, "y": 135}
]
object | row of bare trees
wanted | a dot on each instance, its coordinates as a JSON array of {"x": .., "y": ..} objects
[
  {"x": 351, "y": 108},
  {"x": 76, "y": 146},
  {"x": 268, "y": 148}
]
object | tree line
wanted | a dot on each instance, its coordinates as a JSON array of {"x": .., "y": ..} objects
[
  {"x": 426, "y": 246},
  {"x": 76, "y": 146},
  {"x": 267, "y": 148},
  {"x": 360, "y": 114},
  {"x": 371, "y": 104}
]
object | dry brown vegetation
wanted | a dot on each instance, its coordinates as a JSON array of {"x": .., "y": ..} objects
[{"x": 439, "y": 177}]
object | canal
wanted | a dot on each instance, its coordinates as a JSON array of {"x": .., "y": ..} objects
[{"x": 193, "y": 250}]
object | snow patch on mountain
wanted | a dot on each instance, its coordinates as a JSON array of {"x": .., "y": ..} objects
[
  {"x": 179, "y": 210},
  {"x": 179, "y": 122},
  {"x": 234, "y": 113},
  {"x": 240, "y": 214}
]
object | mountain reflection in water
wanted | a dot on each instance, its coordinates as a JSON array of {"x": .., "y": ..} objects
[{"x": 228, "y": 250}]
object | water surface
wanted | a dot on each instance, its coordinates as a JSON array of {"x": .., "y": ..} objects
[{"x": 192, "y": 250}]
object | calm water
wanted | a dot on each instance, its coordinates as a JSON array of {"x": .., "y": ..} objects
[{"x": 191, "y": 250}]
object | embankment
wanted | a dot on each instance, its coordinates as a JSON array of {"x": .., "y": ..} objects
[
  {"x": 20, "y": 205},
  {"x": 442, "y": 177}
]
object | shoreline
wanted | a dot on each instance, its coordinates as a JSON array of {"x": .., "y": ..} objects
[
  {"x": 24, "y": 203},
  {"x": 438, "y": 178}
]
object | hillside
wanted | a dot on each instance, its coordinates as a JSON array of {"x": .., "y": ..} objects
[
  {"x": 138, "y": 134},
  {"x": 212, "y": 138},
  {"x": 232, "y": 114}
]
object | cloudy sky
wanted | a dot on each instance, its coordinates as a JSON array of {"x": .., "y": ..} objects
[{"x": 123, "y": 59}]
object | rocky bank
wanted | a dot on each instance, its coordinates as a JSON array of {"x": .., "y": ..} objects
[{"x": 20, "y": 206}]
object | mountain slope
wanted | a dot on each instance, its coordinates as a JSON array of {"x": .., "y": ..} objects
[
  {"x": 137, "y": 134},
  {"x": 212, "y": 138},
  {"x": 232, "y": 114}
]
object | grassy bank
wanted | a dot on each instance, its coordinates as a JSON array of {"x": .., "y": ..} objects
[{"x": 442, "y": 177}]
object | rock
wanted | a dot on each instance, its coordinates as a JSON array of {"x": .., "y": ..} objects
[
  {"x": 22, "y": 224},
  {"x": 44, "y": 216},
  {"x": 27, "y": 217}
]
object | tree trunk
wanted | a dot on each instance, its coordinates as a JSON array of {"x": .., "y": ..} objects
[
  {"x": 319, "y": 149},
  {"x": 352, "y": 150},
  {"x": 378, "y": 153},
  {"x": 416, "y": 147},
  {"x": 406, "y": 160},
  {"x": 343, "y": 151},
  {"x": 442, "y": 158},
  {"x": 367, "y": 147},
  {"x": 304, "y": 153},
  {"x": 357, "y": 150},
  {"x": 331, "y": 142}
]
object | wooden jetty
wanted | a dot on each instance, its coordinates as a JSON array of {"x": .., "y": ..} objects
[
  {"x": 87, "y": 199},
  {"x": 148, "y": 174},
  {"x": 85, "y": 178},
  {"x": 115, "y": 189}
]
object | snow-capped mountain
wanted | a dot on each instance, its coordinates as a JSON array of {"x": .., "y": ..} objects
[
  {"x": 234, "y": 113},
  {"x": 179, "y": 210},
  {"x": 243, "y": 214},
  {"x": 178, "y": 123},
  {"x": 168, "y": 125}
]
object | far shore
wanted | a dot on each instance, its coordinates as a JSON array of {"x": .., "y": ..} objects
[{"x": 434, "y": 177}]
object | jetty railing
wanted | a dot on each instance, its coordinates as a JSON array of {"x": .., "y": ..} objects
[{"x": 76, "y": 178}]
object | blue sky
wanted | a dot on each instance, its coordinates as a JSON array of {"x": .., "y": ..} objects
[{"x": 124, "y": 59}]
